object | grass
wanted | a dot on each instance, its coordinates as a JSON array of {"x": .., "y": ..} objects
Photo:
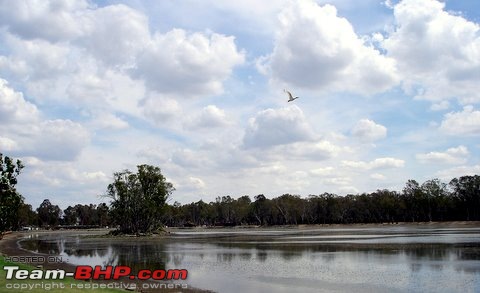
[{"x": 55, "y": 286}]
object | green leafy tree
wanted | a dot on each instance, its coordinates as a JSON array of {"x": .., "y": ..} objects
[
  {"x": 70, "y": 216},
  {"x": 48, "y": 214},
  {"x": 102, "y": 215},
  {"x": 138, "y": 199},
  {"x": 26, "y": 216},
  {"x": 10, "y": 199},
  {"x": 466, "y": 190}
]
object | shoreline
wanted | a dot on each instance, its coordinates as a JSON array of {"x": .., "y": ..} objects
[
  {"x": 10, "y": 244},
  {"x": 10, "y": 247}
]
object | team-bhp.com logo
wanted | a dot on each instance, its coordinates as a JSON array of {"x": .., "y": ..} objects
[{"x": 95, "y": 273}]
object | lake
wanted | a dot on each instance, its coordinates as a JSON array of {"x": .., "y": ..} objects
[{"x": 356, "y": 258}]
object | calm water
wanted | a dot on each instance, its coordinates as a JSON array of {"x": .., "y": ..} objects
[{"x": 410, "y": 258}]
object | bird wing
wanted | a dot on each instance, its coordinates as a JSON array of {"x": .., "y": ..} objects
[{"x": 289, "y": 94}]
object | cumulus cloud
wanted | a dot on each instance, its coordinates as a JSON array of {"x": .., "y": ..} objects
[
  {"x": 377, "y": 176},
  {"x": 190, "y": 63},
  {"x": 189, "y": 158},
  {"x": 324, "y": 172},
  {"x": 58, "y": 139},
  {"x": 196, "y": 183},
  {"x": 272, "y": 127},
  {"x": 464, "y": 123},
  {"x": 379, "y": 163},
  {"x": 109, "y": 121},
  {"x": 29, "y": 134},
  {"x": 51, "y": 20},
  {"x": 7, "y": 144},
  {"x": 456, "y": 155},
  {"x": 160, "y": 108},
  {"x": 34, "y": 60},
  {"x": 115, "y": 34},
  {"x": 14, "y": 107},
  {"x": 437, "y": 52},
  {"x": 316, "y": 150},
  {"x": 455, "y": 172},
  {"x": 210, "y": 117},
  {"x": 316, "y": 49},
  {"x": 368, "y": 130}
]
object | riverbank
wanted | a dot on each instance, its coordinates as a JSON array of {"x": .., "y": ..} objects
[
  {"x": 204, "y": 250},
  {"x": 10, "y": 249}
]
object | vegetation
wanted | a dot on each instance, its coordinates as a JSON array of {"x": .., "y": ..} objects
[
  {"x": 139, "y": 205},
  {"x": 138, "y": 199},
  {"x": 431, "y": 201},
  {"x": 10, "y": 199}
]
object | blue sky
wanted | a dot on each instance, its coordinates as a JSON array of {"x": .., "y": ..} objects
[{"x": 389, "y": 91}]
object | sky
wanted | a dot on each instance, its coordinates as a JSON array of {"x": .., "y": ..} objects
[{"x": 389, "y": 91}]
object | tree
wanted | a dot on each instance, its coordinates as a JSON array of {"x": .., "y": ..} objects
[
  {"x": 70, "y": 216},
  {"x": 10, "y": 199},
  {"x": 26, "y": 216},
  {"x": 48, "y": 214},
  {"x": 102, "y": 215},
  {"x": 466, "y": 189},
  {"x": 138, "y": 199}
]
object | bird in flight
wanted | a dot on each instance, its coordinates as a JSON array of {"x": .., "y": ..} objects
[{"x": 290, "y": 96}]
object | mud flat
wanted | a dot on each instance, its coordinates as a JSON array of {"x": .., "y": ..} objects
[{"x": 406, "y": 257}]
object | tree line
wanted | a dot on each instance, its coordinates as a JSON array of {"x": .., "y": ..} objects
[
  {"x": 431, "y": 201},
  {"x": 138, "y": 204}
]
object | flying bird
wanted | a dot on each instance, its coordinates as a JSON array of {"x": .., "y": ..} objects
[{"x": 290, "y": 96}]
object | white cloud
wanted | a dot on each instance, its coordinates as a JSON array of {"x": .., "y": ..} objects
[
  {"x": 438, "y": 53},
  {"x": 377, "y": 176},
  {"x": 34, "y": 60},
  {"x": 442, "y": 105},
  {"x": 316, "y": 150},
  {"x": 465, "y": 123},
  {"x": 160, "y": 108},
  {"x": 272, "y": 127},
  {"x": 379, "y": 163},
  {"x": 316, "y": 49},
  {"x": 7, "y": 144},
  {"x": 188, "y": 158},
  {"x": 56, "y": 140},
  {"x": 115, "y": 34},
  {"x": 275, "y": 168},
  {"x": 210, "y": 117},
  {"x": 368, "y": 130},
  {"x": 456, "y": 155},
  {"x": 456, "y": 172},
  {"x": 14, "y": 107},
  {"x": 109, "y": 121},
  {"x": 196, "y": 183},
  {"x": 51, "y": 20},
  {"x": 191, "y": 64},
  {"x": 324, "y": 172},
  {"x": 49, "y": 139}
]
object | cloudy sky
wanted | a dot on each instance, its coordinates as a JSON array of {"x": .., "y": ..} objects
[{"x": 389, "y": 91}]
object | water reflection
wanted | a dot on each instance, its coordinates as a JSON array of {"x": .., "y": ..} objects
[{"x": 334, "y": 260}]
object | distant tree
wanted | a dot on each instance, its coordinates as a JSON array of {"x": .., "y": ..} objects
[
  {"x": 437, "y": 198},
  {"x": 466, "y": 190},
  {"x": 260, "y": 209},
  {"x": 70, "y": 216},
  {"x": 242, "y": 210},
  {"x": 48, "y": 214},
  {"x": 413, "y": 196},
  {"x": 102, "y": 215},
  {"x": 27, "y": 216},
  {"x": 138, "y": 199},
  {"x": 10, "y": 199}
]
